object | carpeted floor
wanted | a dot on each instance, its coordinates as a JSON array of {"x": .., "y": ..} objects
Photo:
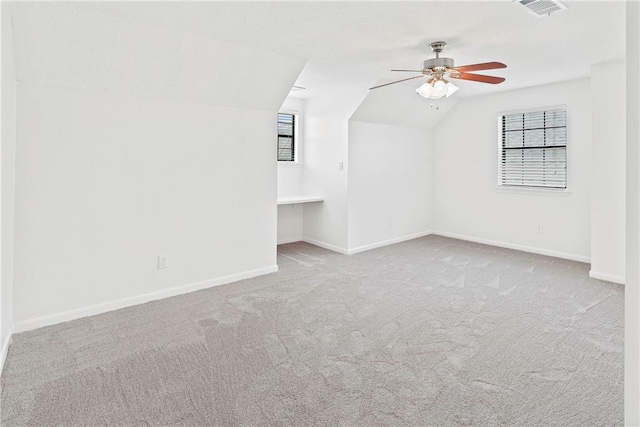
[{"x": 433, "y": 331}]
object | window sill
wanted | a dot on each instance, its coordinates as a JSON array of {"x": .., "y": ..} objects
[
  {"x": 289, "y": 164},
  {"x": 557, "y": 192}
]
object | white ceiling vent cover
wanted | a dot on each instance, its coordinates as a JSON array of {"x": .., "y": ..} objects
[{"x": 542, "y": 7}]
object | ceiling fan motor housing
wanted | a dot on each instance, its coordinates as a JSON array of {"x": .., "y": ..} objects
[{"x": 438, "y": 62}]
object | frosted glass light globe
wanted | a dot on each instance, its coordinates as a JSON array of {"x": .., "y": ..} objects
[
  {"x": 425, "y": 90},
  {"x": 439, "y": 89},
  {"x": 451, "y": 89}
]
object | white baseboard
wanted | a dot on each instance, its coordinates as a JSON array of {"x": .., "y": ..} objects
[
  {"x": 540, "y": 251},
  {"x": 607, "y": 277},
  {"x": 5, "y": 349},
  {"x": 39, "y": 322},
  {"x": 325, "y": 245},
  {"x": 388, "y": 242},
  {"x": 290, "y": 240}
]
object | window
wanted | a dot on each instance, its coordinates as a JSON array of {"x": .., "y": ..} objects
[
  {"x": 533, "y": 149},
  {"x": 286, "y": 138}
]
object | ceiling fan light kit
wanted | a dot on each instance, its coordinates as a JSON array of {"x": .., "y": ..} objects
[
  {"x": 437, "y": 89},
  {"x": 440, "y": 70}
]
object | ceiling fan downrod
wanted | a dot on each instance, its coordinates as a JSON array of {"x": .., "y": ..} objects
[{"x": 437, "y": 62}]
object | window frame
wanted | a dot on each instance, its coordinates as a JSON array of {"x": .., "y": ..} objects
[
  {"x": 514, "y": 188},
  {"x": 296, "y": 139}
]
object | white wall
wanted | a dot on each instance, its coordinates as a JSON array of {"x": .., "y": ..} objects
[
  {"x": 7, "y": 171},
  {"x": 390, "y": 181},
  {"x": 290, "y": 217},
  {"x": 290, "y": 223},
  {"x": 632, "y": 288},
  {"x": 136, "y": 141},
  {"x": 326, "y": 144},
  {"x": 466, "y": 200},
  {"x": 289, "y": 179},
  {"x": 608, "y": 147},
  {"x": 106, "y": 183},
  {"x": 389, "y": 184}
]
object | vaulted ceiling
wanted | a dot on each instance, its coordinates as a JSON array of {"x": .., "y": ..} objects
[
  {"x": 362, "y": 41},
  {"x": 354, "y": 43}
]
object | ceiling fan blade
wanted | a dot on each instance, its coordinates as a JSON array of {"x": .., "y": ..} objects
[
  {"x": 397, "y": 81},
  {"x": 411, "y": 71},
  {"x": 480, "y": 78},
  {"x": 478, "y": 67}
]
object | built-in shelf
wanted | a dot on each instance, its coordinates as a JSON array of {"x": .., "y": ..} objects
[{"x": 294, "y": 200}]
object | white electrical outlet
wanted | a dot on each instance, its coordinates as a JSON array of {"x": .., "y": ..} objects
[
  {"x": 539, "y": 229},
  {"x": 340, "y": 166},
  {"x": 163, "y": 262}
]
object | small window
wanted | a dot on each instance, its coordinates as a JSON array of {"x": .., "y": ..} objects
[
  {"x": 286, "y": 138},
  {"x": 533, "y": 149}
]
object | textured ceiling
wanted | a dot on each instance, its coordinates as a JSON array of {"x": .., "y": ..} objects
[
  {"x": 360, "y": 42},
  {"x": 254, "y": 47}
]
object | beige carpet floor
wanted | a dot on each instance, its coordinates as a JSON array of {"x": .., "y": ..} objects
[{"x": 433, "y": 331}]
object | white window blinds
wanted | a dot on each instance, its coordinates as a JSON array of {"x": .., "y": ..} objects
[
  {"x": 286, "y": 137},
  {"x": 533, "y": 149}
]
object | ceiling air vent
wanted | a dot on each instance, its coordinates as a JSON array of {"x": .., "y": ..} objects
[{"x": 542, "y": 7}]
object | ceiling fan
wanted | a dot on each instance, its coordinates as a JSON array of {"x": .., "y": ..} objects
[{"x": 440, "y": 70}]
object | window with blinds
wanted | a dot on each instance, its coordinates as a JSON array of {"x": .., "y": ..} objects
[
  {"x": 286, "y": 138},
  {"x": 533, "y": 149}
]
